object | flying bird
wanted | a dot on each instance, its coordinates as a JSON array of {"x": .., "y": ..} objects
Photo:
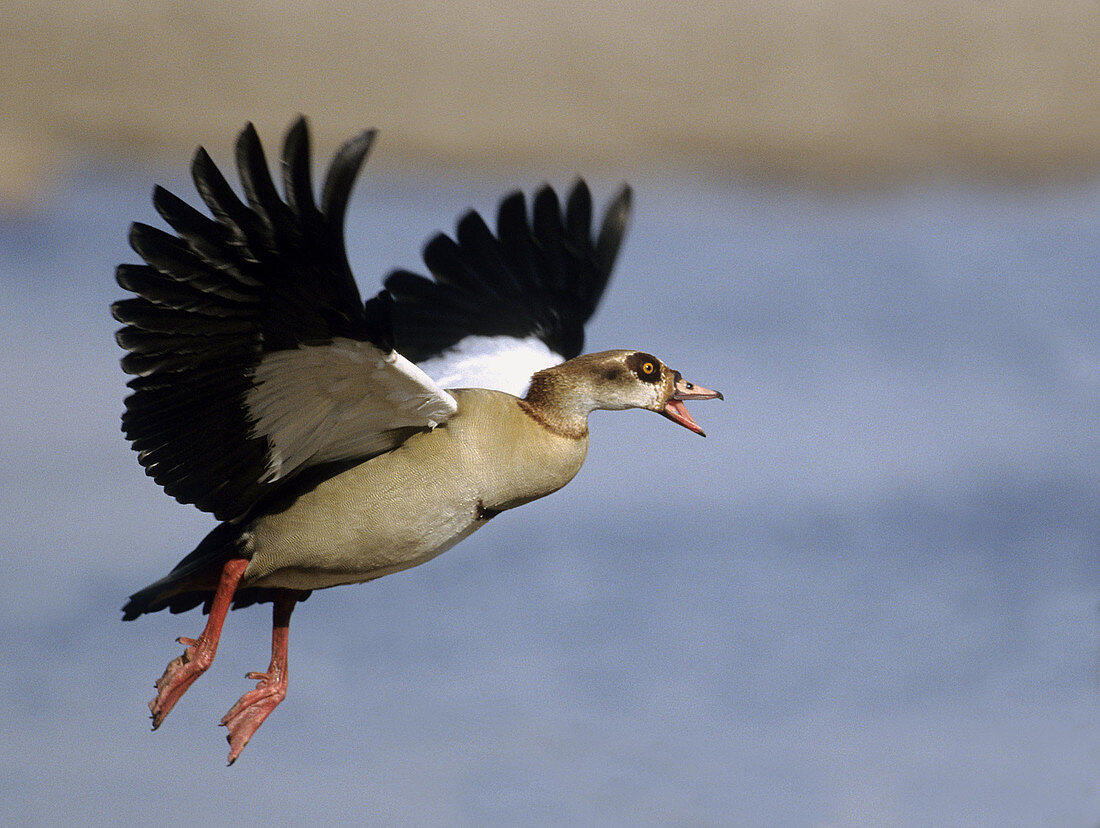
[{"x": 339, "y": 440}]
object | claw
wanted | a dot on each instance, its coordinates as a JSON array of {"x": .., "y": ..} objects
[
  {"x": 179, "y": 675},
  {"x": 182, "y": 671},
  {"x": 245, "y": 717}
]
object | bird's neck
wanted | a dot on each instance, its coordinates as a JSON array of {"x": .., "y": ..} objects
[{"x": 558, "y": 402}]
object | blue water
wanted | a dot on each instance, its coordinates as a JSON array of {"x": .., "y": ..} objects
[{"x": 869, "y": 597}]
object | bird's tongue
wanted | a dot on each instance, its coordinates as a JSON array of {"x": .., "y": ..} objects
[{"x": 676, "y": 411}]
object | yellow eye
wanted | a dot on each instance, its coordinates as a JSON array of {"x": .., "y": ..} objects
[{"x": 648, "y": 368}]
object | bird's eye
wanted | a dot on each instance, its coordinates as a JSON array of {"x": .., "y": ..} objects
[{"x": 646, "y": 367}]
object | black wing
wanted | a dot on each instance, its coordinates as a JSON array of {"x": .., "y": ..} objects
[
  {"x": 223, "y": 407},
  {"x": 539, "y": 277}
]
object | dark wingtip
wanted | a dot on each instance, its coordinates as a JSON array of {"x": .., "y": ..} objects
[
  {"x": 134, "y": 238},
  {"x": 122, "y": 276},
  {"x": 297, "y": 133},
  {"x": 613, "y": 228},
  {"x": 248, "y": 134},
  {"x": 342, "y": 174},
  {"x": 117, "y": 314},
  {"x": 249, "y": 150},
  {"x": 299, "y": 123},
  {"x": 201, "y": 162},
  {"x": 297, "y": 175}
]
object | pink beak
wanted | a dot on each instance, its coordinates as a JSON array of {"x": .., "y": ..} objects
[{"x": 675, "y": 409}]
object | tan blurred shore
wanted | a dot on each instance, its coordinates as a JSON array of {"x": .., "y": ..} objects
[{"x": 851, "y": 91}]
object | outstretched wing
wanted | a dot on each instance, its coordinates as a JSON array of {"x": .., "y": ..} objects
[
  {"x": 254, "y": 356},
  {"x": 503, "y": 306}
]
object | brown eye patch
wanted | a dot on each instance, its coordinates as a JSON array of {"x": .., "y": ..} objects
[{"x": 645, "y": 366}]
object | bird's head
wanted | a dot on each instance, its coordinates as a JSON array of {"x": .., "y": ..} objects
[{"x": 614, "y": 380}]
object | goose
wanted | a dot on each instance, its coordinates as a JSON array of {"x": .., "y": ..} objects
[{"x": 337, "y": 440}]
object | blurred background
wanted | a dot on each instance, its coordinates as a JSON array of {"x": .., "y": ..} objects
[{"x": 869, "y": 597}]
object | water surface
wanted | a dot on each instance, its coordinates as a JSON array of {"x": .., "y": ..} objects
[{"x": 868, "y": 597}]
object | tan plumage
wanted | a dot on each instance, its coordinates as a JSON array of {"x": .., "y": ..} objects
[{"x": 408, "y": 505}]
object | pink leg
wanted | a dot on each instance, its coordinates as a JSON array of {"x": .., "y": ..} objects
[
  {"x": 181, "y": 672},
  {"x": 245, "y": 717}
]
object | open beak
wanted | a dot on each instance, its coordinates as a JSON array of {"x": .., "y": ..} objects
[{"x": 675, "y": 409}]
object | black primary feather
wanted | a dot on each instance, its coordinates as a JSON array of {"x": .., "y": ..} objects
[
  {"x": 260, "y": 275},
  {"x": 541, "y": 276}
]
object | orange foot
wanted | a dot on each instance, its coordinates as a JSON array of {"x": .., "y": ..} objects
[
  {"x": 245, "y": 717},
  {"x": 180, "y": 674}
]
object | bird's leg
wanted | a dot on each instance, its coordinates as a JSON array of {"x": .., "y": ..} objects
[
  {"x": 182, "y": 671},
  {"x": 245, "y": 717}
]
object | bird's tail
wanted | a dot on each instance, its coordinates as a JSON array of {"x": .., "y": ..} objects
[{"x": 193, "y": 580}]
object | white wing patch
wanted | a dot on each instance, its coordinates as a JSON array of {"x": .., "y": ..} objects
[
  {"x": 319, "y": 403},
  {"x": 502, "y": 363}
]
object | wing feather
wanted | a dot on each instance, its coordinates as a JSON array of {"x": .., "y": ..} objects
[
  {"x": 498, "y": 307},
  {"x": 253, "y": 355},
  {"x": 255, "y": 358}
]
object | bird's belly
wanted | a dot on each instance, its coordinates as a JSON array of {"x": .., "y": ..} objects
[
  {"x": 354, "y": 546},
  {"x": 404, "y": 507}
]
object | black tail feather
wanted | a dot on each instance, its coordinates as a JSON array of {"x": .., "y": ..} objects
[{"x": 193, "y": 579}]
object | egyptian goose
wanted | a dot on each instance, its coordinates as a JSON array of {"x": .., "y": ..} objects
[{"x": 267, "y": 393}]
